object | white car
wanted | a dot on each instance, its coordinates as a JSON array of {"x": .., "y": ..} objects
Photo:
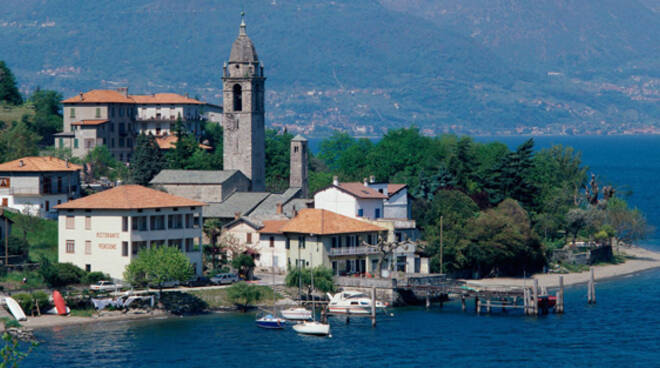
[
  {"x": 105, "y": 285},
  {"x": 224, "y": 279}
]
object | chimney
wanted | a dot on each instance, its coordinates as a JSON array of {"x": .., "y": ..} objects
[
  {"x": 295, "y": 211},
  {"x": 81, "y": 96},
  {"x": 372, "y": 179},
  {"x": 364, "y": 181},
  {"x": 279, "y": 209},
  {"x": 66, "y": 162},
  {"x": 21, "y": 163},
  {"x": 335, "y": 180},
  {"x": 123, "y": 91},
  {"x": 237, "y": 215}
]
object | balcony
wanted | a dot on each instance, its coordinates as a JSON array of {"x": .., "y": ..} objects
[
  {"x": 22, "y": 191},
  {"x": 352, "y": 251}
]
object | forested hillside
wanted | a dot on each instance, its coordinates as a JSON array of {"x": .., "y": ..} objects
[{"x": 478, "y": 66}]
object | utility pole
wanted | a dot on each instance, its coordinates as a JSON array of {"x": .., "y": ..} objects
[
  {"x": 442, "y": 248},
  {"x": 6, "y": 235}
]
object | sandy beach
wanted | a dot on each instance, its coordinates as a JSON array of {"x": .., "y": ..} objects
[
  {"x": 49, "y": 320},
  {"x": 638, "y": 259}
]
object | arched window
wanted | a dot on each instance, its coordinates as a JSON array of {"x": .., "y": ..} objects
[{"x": 238, "y": 97}]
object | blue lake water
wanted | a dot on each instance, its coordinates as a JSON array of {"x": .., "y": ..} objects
[{"x": 621, "y": 330}]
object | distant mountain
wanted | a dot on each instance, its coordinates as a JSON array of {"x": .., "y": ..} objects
[{"x": 468, "y": 66}]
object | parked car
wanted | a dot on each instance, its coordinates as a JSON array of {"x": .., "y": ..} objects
[
  {"x": 198, "y": 281},
  {"x": 166, "y": 284},
  {"x": 105, "y": 285},
  {"x": 224, "y": 279}
]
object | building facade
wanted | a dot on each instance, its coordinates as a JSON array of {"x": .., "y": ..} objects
[
  {"x": 355, "y": 200},
  {"x": 35, "y": 185},
  {"x": 243, "y": 94},
  {"x": 105, "y": 231}
]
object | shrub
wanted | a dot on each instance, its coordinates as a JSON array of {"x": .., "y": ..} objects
[
  {"x": 25, "y": 301},
  {"x": 243, "y": 294},
  {"x": 94, "y": 277},
  {"x": 60, "y": 274},
  {"x": 42, "y": 299}
]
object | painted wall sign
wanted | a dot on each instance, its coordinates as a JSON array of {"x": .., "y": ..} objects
[
  {"x": 107, "y": 246},
  {"x": 107, "y": 235},
  {"x": 4, "y": 182}
]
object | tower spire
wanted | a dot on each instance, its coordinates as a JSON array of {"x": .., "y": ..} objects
[{"x": 242, "y": 30}]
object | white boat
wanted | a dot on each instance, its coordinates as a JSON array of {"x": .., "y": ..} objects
[
  {"x": 15, "y": 309},
  {"x": 312, "y": 328},
  {"x": 297, "y": 314},
  {"x": 351, "y": 302}
]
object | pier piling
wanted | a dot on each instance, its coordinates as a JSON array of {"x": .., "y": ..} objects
[
  {"x": 373, "y": 306},
  {"x": 591, "y": 288},
  {"x": 535, "y": 296},
  {"x": 559, "y": 307},
  {"x": 428, "y": 301},
  {"x": 463, "y": 306}
]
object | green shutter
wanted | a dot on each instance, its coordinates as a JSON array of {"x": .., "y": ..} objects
[{"x": 75, "y": 143}]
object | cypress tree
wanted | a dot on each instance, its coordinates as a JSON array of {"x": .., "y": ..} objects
[
  {"x": 8, "y": 90},
  {"x": 146, "y": 161}
]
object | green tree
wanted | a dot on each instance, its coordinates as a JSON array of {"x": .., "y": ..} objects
[
  {"x": 244, "y": 263},
  {"x": 278, "y": 151},
  {"x": 187, "y": 154},
  {"x": 18, "y": 141},
  {"x": 47, "y": 119},
  {"x": 8, "y": 89},
  {"x": 511, "y": 178},
  {"x": 243, "y": 294},
  {"x": 323, "y": 280},
  {"x": 332, "y": 149},
  {"x": 11, "y": 353},
  {"x": 630, "y": 225},
  {"x": 158, "y": 264},
  {"x": 103, "y": 163},
  {"x": 146, "y": 160}
]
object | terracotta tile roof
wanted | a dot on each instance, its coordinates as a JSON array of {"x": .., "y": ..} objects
[
  {"x": 90, "y": 122},
  {"x": 324, "y": 222},
  {"x": 39, "y": 163},
  {"x": 169, "y": 142},
  {"x": 100, "y": 96},
  {"x": 392, "y": 189},
  {"x": 126, "y": 197},
  {"x": 361, "y": 191},
  {"x": 165, "y": 98},
  {"x": 273, "y": 226}
]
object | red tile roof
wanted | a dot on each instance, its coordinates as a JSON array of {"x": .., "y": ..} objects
[
  {"x": 361, "y": 191},
  {"x": 169, "y": 142},
  {"x": 165, "y": 98},
  {"x": 392, "y": 189},
  {"x": 38, "y": 164},
  {"x": 100, "y": 96},
  {"x": 273, "y": 226},
  {"x": 324, "y": 222},
  {"x": 128, "y": 197},
  {"x": 90, "y": 122}
]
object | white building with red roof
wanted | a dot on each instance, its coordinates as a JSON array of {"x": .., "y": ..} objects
[
  {"x": 105, "y": 231},
  {"x": 34, "y": 185}
]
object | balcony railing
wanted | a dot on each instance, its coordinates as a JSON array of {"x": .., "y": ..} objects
[{"x": 352, "y": 251}]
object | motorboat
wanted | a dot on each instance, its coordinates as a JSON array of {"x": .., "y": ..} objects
[
  {"x": 351, "y": 302},
  {"x": 312, "y": 328},
  {"x": 271, "y": 322},
  {"x": 297, "y": 314}
]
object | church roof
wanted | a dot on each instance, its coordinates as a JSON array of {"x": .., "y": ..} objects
[
  {"x": 243, "y": 51},
  {"x": 194, "y": 176},
  {"x": 299, "y": 138}
]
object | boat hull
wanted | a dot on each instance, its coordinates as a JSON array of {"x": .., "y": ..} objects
[
  {"x": 299, "y": 314},
  {"x": 349, "y": 310},
  {"x": 275, "y": 323},
  {"x": 312, "y": 328},
  {"x": 15, "y": 309}
]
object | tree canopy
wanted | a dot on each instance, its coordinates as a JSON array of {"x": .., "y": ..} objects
[
  {"x": 8, "y": 89},
  {"x": 146, "y": 160},
  {"x": 158, "y": 264}
]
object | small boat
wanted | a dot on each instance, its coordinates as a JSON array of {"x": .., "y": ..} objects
[
  {"x": 351, "y": 302},
  {"x": 297, "y": 314},
  {"x": 547, "y": 301},
  {"x": 60, "y": 305},
  {"x": 15, "y": 309},
  {"x": 271, "y": 322},
  {"x": 312, "y": 328}
]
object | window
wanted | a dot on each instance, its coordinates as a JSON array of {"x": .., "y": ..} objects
[
  {"x": 360, "y": 212},
  {"x": 98, "y": 112},
  {"x": 295, "y": 149},
  {"x": 88, "y": 267},
  {"x": 124, "y": 249},
  {"x": 75, "y": 143},
  {"x": 377, "y": 214},
  {"x": 189, "y": 221},
  {"x": 88, "y": 222},
  {"x": 121, "y": 142},
  {"x": 287, "y": 245},
  {"x": 124, "y": 223},
  {"x": 61, "y": 142},
  {"x": 334, "y": 242},
  {"x": 301, "y": 241},
  {"x": 370, "y": 239},
  {"x": 72, "y": 113},
  {"x": 70, "y": 223},
  {"x": 174, "y": 222},
  {"x": 189, "y": 245},
  {"x": 112, "y": 126},
  {"x": 112, "y": 112},
  {"x": 249, "y": 238},
  {"x": 88, "y": 247},
  {"x": 157, "y": 222},
  {"x": 272, "y": 241},
  {"x": 70, "y": 246},
  {"x": 238, "y": 97}
]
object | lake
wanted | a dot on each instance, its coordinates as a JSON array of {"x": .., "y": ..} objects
[{"x": 621, "y": 330}]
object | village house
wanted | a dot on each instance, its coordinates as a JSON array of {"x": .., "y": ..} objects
[
  {"x": 114, "y": 118},
  {"x": 318, "y": 237},
  {"x": 104, "y": 231},
  {"x": 34, "y": 185}
]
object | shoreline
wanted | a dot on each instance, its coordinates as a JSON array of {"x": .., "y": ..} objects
[
  {"x": 637, "y": 260},
  {"x": 53, "y": 320}
]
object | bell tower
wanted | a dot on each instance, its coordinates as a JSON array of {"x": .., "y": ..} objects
[{"x": 243, "y": 111}]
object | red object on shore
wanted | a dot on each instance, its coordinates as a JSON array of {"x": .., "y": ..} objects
[
  {"x": 547, "y": 301},
  {"x": 60, "y": 305}
]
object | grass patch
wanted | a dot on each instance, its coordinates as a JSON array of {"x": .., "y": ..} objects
[
  {"x": 573, "y": 268},
  {"x": 82, "y": 312},
  {"x": 10, "y": 113},
  {"x": 14, "y": 280},
  {"x": 217, "y": 298}
]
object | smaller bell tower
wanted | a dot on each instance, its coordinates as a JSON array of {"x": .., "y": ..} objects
[{"x": 298, "y": 167}]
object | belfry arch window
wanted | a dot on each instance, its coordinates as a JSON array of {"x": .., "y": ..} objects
[{"x": 238, "y": 97}]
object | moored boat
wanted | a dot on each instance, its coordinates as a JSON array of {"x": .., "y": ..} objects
[
  {"x": 351, "y": 302},
  {"x": 271, "y": 322},
  {"x": 297, "y": 314},
  {"x": 312, "y": 328}
]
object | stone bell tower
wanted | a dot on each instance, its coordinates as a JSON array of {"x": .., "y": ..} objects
[
  {"x": 298, "y": 165},
  {"x": 243, "y": 112}
]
